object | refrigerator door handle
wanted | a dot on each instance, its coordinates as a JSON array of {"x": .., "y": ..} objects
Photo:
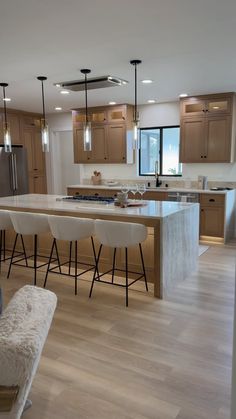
[{"x": 15, "y": 171}]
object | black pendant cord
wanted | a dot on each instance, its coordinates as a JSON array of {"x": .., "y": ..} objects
[
  {"x": 86, "y": 98},
  {"x": 5, "y": 108},
  {"x": 42, "y": 79},
  {"x": 43, "y": 102},
  {"x": 135, "y": 92}
]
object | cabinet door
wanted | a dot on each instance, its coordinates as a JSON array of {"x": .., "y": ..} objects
[
  {"x": 218, "y": 134},
  {"x": 212, "y": 221},
  {"x": 14, "y": 125},
  {"x": 192, "y": 107},
  {"x": 192, "y": 140},
  {"x": 117, "y": 114},
  {"x": 37, "y": 184},
  {"x": 33, "y": 143},
  {"x": 80, "y": 156},
  {"x": 216, "y": 106},
  {"x": 116, "y": 143},
  {"x": 99, "y": 154}
]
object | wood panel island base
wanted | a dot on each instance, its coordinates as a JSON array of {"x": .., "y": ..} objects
[{"x": 170, "y": 251}]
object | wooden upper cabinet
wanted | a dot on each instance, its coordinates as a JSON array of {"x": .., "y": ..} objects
[
  {"x": 110, "y": 140},
  {"x": 116, "y": 146},
  {"x": 192, "y": 145},
  {"x": 207, "y": 135},
  {"x": 14, "y": 125},
  {"x": 117, "y": 114},
  {"x": 218, "y": 138}
]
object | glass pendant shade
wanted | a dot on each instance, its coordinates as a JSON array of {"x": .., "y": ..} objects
[
  {"x": 45, "y": 136},
  {"x": 87, "y": 126},
  {"x": 136, "y": 135},
  {"x": 6, "y": 129},
  {"x": 44, "y": 126},
  {"x": 7, "y": 139},
  {"x": 136, "y": 119},
  {"x": 87, "y": 137}
]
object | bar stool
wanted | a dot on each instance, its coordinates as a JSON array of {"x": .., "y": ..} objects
[
  {"x": 5, "y": 224},
  {"x": 70, "y": 229},
  {"x": 118, "y": 234},
  {"x": 28, "y": 224}
]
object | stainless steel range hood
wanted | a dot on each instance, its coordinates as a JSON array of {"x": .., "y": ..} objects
[{"x": 94, "y": 83}]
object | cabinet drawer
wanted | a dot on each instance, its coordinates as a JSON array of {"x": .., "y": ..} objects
[{"x": 212, "y": 199}]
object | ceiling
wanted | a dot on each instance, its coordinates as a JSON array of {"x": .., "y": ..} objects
[{"x": 185, "y": 46}]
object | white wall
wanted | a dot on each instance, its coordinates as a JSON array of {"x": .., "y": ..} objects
[{"x": 162, "y": 114}]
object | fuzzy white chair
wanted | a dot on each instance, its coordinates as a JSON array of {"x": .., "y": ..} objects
[{"x": 24, "y": 327}]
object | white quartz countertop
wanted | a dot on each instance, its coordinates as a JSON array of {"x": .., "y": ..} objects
[
  {"x": 54, "y": 203},
  {"x": 118, "y": 188}
]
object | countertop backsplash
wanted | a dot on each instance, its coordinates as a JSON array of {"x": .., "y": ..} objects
[{"x": 182, "y": 183}]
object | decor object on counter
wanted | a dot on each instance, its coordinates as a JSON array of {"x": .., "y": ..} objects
[
  {"x": 87, "y": 125},
  {"x": 202, "y": 182},
  {"x": 111, "y": 183},
  {"x": 24, "y": 327},
  {"x": 44, "y": 125},
  {"x": 96, "y": 178},
  {"x": 136, "y": 116},
  {"x": 6, "y": 130}
]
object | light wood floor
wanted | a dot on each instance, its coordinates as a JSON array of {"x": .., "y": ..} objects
[{"x": 155, "y": 360}]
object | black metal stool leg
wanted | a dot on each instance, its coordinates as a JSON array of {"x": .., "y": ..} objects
[
  {"x": 35, "y": 258},
  {"x": 95, "y": 270},
  {"x": 4, "y": 244},
  {"x": 57, "y": 254},
  {"x": 126, "y": 277},
  {"x": 49, "y": 263},
  {"x": 23, "y": 246},
  {"x": 94, "y": 254},
  {"x": 1, "y": 236},
  {"x": 70, "y": 257},
  {"x": 144, "y": 272},
  {"x": 12, "y": 256},
  {"x": 76, "y": 267},
  {"x": 113, "y": 265}
]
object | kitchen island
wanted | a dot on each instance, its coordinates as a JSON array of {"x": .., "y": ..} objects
[{"x": 170, "y": 251}]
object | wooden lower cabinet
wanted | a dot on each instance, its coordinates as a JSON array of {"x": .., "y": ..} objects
[
  {"x": 91, "y": 191},
  {"x": 37, "y": 184},
  {"x": 212, "y": 215},
  {"x": 212, "y": 221}
]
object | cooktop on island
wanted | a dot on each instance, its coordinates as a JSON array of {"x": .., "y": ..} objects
[
  {"x": 89, "y": 198},
  {"x": 217, "y": 188}
]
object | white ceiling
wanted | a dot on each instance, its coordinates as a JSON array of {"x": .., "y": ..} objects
[{"x": 185, "y": 45}]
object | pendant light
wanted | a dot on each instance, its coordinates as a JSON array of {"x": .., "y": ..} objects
[
  {"x": 44, "y": 126},
  {"x": 87, "y": 125},
  {"x": 6, "y": 130},
  {"x": 136, "y": 116}
]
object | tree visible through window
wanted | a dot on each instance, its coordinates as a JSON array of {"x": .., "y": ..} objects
[{"x": 162, "y": 145}]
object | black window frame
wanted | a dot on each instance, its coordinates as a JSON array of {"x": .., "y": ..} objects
[{"x": 161, "y": 150}]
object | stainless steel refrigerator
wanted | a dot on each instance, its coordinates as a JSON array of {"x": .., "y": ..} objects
[{"x": 13, "y": 171}]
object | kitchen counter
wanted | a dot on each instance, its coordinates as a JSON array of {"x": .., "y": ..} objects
[
  {"x": 160, "y": 189},
  {"x": 171, "y": 249}
]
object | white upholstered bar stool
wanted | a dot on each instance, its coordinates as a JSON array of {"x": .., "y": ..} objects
[
  {"x": 28, "y": 224},
  {"x": 5, "y": 224},
  {"x": 70, "y": 229},
  {"x": 118, "y": 234}
]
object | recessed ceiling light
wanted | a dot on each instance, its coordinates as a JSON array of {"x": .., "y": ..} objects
[
  {"x": 151, "y": 101},
  {"x": 58, "y": 108},
  {"x": 64, "y": 92},
  {"x": 7, "y": 99},
  {"x": 124, "y": 82},
  {"x": 147, "y": 81},
  {"x": 112, "y": 103},
  {"x": 57, "y": 85},
  {"x": 183, "y": 95}
]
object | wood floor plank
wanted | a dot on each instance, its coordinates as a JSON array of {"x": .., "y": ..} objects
[{"x": 168, "y": 359}]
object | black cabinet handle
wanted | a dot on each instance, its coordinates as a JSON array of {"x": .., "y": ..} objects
[
  {"x": 201, "y": 157},
  {"x": 205, "y": 157},
  {"x": 212, "y": 200}
]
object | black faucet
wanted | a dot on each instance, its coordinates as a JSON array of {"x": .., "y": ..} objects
[{"x": 158, "y": 182}]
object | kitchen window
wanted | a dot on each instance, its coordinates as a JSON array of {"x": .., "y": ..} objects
[{"x": 160, "y": 144}]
